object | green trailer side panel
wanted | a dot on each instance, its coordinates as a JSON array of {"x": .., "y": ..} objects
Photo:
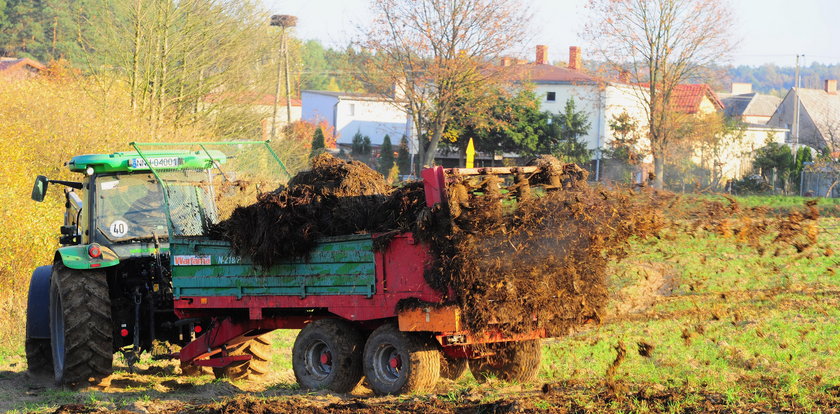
[{"x": 337, "y": 266}]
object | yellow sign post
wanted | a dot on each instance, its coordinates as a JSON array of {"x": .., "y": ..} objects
[{"x": 470, "y": 154}]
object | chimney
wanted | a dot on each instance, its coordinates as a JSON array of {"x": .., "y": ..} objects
[
  {"x": 741, "y": 88},
  {"x": 831, "y": 86},
  {"x": 542, "y": 55},
  {"x": 506, "y": 61},
  {"x": 624, "y": 76},
  {"x": 574, "y": 58}
]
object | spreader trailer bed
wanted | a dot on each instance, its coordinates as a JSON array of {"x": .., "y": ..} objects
[{"x": 362, "y": 303}]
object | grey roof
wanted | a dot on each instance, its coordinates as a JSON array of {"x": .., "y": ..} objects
[
  {"x": 749, "y": 104},
  {"x": 352, "y": 95},
  {"x": 824, "y": 110}
]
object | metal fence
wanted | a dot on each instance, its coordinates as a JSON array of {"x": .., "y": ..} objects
[{"x": 820, "y": 180}]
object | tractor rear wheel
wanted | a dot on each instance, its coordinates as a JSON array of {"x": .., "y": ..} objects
[
  {"x": 81, "y": 332},
  {"x": 398, "y": 362},
  {"x": 512, "y": 361},
  {"x": 39, "y": 356},
  {"x": 259, "y": 349},
  {"x": 328, "y": 355}
]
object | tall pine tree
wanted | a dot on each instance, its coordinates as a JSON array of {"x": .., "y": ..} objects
[
  {"x": 565, "y": 130},
  {"x": 318, "y": 145},
  {"x": 386, "y": 156},
  {"x": 403, "y": 157}
]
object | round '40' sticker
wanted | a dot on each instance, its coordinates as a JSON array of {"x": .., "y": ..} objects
[{"x": 118, "y": 228}]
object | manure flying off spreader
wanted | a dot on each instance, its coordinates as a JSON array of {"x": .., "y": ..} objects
[{"x": 139, "y": 271}]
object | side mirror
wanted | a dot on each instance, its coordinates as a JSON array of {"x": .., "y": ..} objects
[{"x": 39, "y": 190}]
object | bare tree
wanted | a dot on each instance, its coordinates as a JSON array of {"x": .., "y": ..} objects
[
  {"x": 661, "y": 43},
  {"x": 435, "y": 52},
  {"x": 175, "y": 56}
]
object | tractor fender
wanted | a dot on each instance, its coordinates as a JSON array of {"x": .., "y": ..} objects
[
  {"x": 38, "y": 304},
  {"x": 77, "y": 257}
]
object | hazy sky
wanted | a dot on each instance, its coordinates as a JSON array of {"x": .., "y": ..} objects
[{"x": 767, "y": 30}]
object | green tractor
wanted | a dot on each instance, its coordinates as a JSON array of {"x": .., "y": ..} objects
[{"x": 109, "y": 287}]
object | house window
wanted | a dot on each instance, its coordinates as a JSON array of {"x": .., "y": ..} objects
[
  {"x": 551, "y": 96},
  {"x": 352, "y": 109}
]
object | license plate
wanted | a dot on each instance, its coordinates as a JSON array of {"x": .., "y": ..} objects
[{"x": 159, "y": 162}]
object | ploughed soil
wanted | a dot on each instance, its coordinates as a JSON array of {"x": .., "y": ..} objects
[{"x": 562, "y": 397}]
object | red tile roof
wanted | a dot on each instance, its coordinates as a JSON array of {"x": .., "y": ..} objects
[
  {"x": 9, "y": 65},
  {"x": 686, "y": 98}
]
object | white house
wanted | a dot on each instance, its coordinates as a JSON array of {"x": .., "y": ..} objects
[
  {"x": 369, "y": 114},
  {"x": 599, "y": 98}
]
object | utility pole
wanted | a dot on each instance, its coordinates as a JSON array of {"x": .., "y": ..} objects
[
  {"x": 795, "y": 127},
  {"x": 284, "y": 21}
]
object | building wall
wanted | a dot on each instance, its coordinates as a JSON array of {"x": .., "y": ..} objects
[
  {"x": 625, "y": 98},
  {"x": 374, "y": 119},
  {"x": 588, "y": 99},
  {"x": 600, "y": 103},
  {"x": 316, "y": 107},
  {"x": 783, "y": 118}
]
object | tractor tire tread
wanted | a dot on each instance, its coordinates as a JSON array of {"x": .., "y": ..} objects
[
  {"x": 423, "y": 365},
  {"x": 347, "y": 343},
  {"x": 88, "y": 336}
]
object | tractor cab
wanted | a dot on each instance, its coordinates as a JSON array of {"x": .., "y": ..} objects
[{"x": 114, "y": 263}]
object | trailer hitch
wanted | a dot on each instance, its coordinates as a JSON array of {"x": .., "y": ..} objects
[{"x": 132, "y": 355}]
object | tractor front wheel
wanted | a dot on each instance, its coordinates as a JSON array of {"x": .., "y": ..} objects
[
  {"x": 398, "y": 362},
  {"x": 511, "y": 361},
  {"x": 81, "y": 332},
  {"x": 328, "y": 355},
  {"x": 259, "y": 349}
]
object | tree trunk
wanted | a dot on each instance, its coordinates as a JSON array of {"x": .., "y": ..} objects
[
  {"x": 658, "y": 171},
  {"x": 431, "y": 151}
]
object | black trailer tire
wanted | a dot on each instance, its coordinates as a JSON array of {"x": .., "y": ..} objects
[
  {"x": 39, "y": 357},
  {"x": 452, "y": 368},
  {"x": 328, "y": 355},
  {"x": 81, "y": 331},
  {"x": 259, "y": 349},
  {"x": 513, "y": 361},
  {"x": 401, "y": 362}
]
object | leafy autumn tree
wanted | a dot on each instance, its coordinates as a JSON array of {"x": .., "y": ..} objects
[
  {"x": 303, "y": 131},
  {"x": 428, "y": 52},
  {"x": 661, "y": 43},
  {"x": 504, "y": 121},
  {"x": 386, "y": 156}
]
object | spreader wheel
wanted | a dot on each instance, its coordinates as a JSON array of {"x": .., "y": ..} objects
[
  {"x": 259, "y": 349},
  {"x": 512, "y": 361},
  {"x": 452, "y": 368},
  {"x": 400, "y": 362},
  {"x": 328, "y": 355}
]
